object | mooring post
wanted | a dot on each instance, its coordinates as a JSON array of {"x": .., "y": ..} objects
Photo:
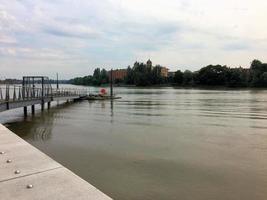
[
  {"x": 25, "y": 111},
  {"x": 42, "y": 104},
  {"x": 57, "y": 81},
  {"x": 23, "y": 88},
  {"x": 33, "y": 109},
  {"x": 48, "y": 105}
]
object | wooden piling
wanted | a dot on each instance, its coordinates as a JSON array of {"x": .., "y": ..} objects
[
  {"x": 33, "y": 109},
  {"x": 42, "y": 105},
  {"x": 25, "y": 111}
]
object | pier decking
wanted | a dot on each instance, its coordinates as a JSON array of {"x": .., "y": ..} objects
[
  {"x": 12, "y": 97},
  {"x": 26, "y": 173}
]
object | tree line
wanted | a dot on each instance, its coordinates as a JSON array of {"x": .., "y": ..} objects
[
  {"x": 212, "y": 75},
  {"x": 99, "y": 77},
  {"x": 142, "y": 75}
]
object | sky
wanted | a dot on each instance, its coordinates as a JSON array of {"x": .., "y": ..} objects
[{"x": 72, "y": 37}]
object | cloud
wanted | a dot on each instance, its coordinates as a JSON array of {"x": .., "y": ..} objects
[
  {"x": 9, "y": 23},
  {"x": 71, "y": 30},
  {"x": 41, "y": 54},
  {"x": 237, "y": 46},
  {"x": 7, "y": 39},
  {"x": 85, "y": 34}
]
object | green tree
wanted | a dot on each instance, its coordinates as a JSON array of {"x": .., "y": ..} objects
[
  {"x": 188, "y": 78},
  {"x": 178, "y": 77},
  {"x": 156, "y": 77},
  {"x": 129, "y": 79},
  {"x": 212, "y": 75},
  {"x": 141, "y": 74},
  {"x": 264, "y": 79},
  {"x": 257, "y": 69},
  {"x": 236, "y": 77},
  {"x": 97, "y": 77},
  {"x": 104, "y": 76}
]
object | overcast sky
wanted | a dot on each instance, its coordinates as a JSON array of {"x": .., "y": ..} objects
[{"x": 72, "y": 37}]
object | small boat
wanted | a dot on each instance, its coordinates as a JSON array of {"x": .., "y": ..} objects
[{"x": 101, "y": 97}]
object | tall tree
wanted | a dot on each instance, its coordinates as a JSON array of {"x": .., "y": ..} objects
[
  {"x": 188, "y": 77},
  {"x": 212, "y": 75},
  {"x": 178, "y": 77}
]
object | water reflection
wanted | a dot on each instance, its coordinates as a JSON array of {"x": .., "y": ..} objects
[
  {"x": 38, "y": 127},
  {"x": 111, "y": 108},
  {"x": 162, "y": 143}
]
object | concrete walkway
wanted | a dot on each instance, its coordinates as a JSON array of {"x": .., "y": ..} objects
[{"x": 28, "y": 174}]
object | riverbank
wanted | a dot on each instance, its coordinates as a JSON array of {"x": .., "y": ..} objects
[
  {"x": 27, "y": 173},
  {"x": 200, "y": 87}
]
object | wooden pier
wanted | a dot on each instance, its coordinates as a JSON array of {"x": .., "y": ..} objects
[{"x": 35, "y": 90}]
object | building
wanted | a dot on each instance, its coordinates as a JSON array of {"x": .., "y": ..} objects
[
  {"x": 149, "y": 64},
  {"x": 164, "y": 72},
  {"x": 118, "y": 74}
]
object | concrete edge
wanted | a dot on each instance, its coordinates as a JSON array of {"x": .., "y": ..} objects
[{"x": 14, "y": 137}]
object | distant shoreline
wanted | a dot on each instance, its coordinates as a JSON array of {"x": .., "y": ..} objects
[{"x": 211, "y": 87}]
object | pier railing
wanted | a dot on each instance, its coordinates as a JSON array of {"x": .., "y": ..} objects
[{"x": 9, "y": 93}]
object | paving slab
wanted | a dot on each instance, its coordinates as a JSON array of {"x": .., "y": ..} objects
[
  {"x": 25, "y": 158},
  {"x": 59, "y": 184}
]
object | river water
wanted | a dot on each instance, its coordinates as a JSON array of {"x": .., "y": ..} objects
[{"x": 159, "y": 143}]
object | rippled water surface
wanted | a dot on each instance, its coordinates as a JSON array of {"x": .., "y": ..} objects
[{"x": 160, "y": 143}]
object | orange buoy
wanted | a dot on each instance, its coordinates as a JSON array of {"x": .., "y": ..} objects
[{"x": 103, "y": 91}]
